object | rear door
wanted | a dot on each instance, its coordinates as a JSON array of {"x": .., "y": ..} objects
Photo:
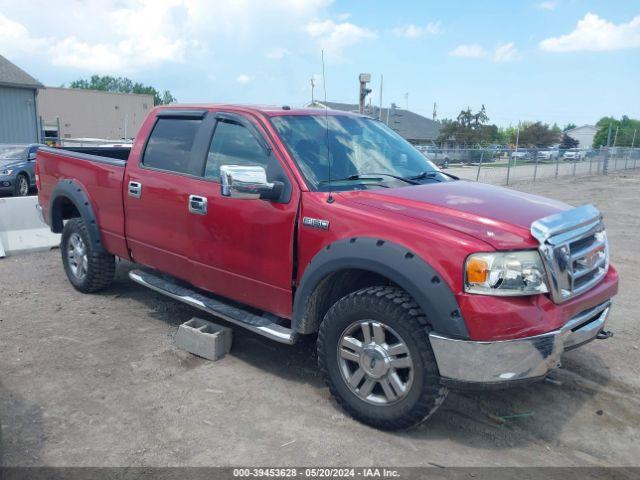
[{"x": 157, "y": 187}]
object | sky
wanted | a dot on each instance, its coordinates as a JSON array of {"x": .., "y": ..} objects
[{"x": 555, "y": 61}]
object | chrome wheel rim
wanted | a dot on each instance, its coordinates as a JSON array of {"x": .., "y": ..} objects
[
  {"x": 375, "y": 362},
  {"x": 77, "y": 255},
  {"x": 23, "y": 186}
]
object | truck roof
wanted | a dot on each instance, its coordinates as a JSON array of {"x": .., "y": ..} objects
[{"x": 268, "y": 110}]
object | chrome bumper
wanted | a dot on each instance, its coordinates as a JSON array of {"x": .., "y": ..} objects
[{"x": 520, "y": 359}]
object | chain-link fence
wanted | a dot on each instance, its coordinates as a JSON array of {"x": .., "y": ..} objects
[{"x": 506, "y": 166}]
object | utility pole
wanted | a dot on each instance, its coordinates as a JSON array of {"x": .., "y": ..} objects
[
  {"x": 633, "y": 140},
  {"x": 380, "y": 106},
  {"x": 364, "y": 78},
  {"x": 609, "y": 137},
  {"x": 313, "y": 85},
  {"x": 615, "y": 138},
  {"x": 435, "y": 113}
]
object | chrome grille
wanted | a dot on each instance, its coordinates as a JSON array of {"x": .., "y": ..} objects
[{"x": 575, "y": 251}]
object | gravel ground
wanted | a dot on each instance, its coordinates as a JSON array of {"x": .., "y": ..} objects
[{"x": 95, "y": 380}]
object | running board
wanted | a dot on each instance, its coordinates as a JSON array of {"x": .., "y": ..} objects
[{"x": 262, "y": 325}]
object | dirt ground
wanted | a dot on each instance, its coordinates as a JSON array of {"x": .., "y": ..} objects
[{"x": 95, "y": 380}]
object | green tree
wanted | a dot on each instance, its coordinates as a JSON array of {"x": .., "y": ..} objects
[
  {"x": 535, "y": 134},
  {"x": 123, "y": 85},
  {"x": 568, "y": 142},
  {"x": 469, "y": 129},
  {"x": 626, "y": 128},
  {"x": 569, "y": 126}
]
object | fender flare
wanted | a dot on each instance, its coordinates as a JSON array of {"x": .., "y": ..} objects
[
  {"x": 75, "y": 193},
  {"x": 393, "y": 261}
]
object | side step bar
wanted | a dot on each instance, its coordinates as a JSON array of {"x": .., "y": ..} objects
[{"x": 262, "y": 325}]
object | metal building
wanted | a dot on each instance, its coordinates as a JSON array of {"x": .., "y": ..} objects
[
  {"x": 18, "y": 107},
  {"x": 79, "y": 113}
]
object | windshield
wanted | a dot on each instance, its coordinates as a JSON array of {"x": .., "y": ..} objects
[
  {"x": 12, "y": 152},
  {"x": 364, "y": 152}
]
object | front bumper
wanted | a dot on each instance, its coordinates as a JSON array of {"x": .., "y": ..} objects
[{"x": 487, "y": 363}]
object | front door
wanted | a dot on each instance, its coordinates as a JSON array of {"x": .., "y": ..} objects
[{"x": 243, "y": 248}]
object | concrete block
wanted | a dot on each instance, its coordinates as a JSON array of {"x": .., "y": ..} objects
[
  {"x": 204, "y": 339},
  {"x": 22, "y": 228}
]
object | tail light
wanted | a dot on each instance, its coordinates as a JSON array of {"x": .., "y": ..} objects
[{"x": 37, "y": 172}]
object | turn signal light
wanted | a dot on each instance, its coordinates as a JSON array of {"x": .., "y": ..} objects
[{"x": 477, "y": 270}]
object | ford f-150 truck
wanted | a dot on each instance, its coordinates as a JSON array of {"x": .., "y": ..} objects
[{"x": 292, "y": 222}]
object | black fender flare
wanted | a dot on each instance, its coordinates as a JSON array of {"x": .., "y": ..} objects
[
  {"x": 393, "y": 261},
  {"x": 75, "y": 193}
]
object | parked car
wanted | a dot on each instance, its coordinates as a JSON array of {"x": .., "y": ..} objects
[
  {"x": 415, "y": 282},
  {"x": 17, "y": 168},
  {"x": 521, "y": 155},
  {"x": 548, "y": 154},
  {"x": 436, "y": 155},
  {"x": 574, "y": 154}
]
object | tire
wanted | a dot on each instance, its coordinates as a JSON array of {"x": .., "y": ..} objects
[
  {"x": 21, "y": 187},
  {"x": 87, "y": 269},
  {"x": 394, "y": 311}
]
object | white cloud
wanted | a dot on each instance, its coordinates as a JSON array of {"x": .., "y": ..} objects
[
  {"x": 243, "y": 79},
  {"x": 506, "y": 53},
  {"x": 334, "y": 37},
  {"x": 416, "y": 31},
  {"x": 593, "y": 33},
  {"x": 469, "y": 51},
  {"x": 277, "y": 53},
  {"x": 124, "y": 36},
  {"x": 15, "y": 38},
  {"x": 547, "y": 5}
]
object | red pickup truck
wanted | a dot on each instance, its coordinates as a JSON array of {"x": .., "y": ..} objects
[{"x": 291, "y": 222}]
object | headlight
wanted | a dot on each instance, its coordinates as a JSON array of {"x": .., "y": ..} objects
[
  {"x": 6, "y": 172},
  {"x": 505, "y": 273}
]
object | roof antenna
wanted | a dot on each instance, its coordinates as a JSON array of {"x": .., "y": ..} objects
[{"x": 330, "y": 198}]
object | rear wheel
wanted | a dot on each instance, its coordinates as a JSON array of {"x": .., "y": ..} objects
[
  {"x": 21, "y": 188},
  {"x": 88, "y": 269},
  {"x": 374, "y": 352}
]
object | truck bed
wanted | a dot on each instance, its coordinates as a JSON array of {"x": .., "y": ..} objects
[{"x": 100, "y": 172}]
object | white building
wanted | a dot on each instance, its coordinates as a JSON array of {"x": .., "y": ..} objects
[{"x": 584, "y": 135}]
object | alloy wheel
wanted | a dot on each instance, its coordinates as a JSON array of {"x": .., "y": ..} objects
[
  {"x": 77, "y": 255},
  {"x": 375, "y": 362}
]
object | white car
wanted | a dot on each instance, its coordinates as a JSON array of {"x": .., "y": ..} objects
[
  {"x": 574, "y": 154},
  {"x": 548, "y": 154}
]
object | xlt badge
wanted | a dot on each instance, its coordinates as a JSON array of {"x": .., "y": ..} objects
[{"x": 315, "y": 223}]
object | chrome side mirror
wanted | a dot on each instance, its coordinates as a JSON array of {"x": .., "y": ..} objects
[
  {"x": 32, "y": 156},
  {"x": 249, "y": 182}
]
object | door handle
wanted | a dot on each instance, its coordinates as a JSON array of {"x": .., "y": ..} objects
[
  {"x": 197, "y": 204},
  {"x": 135, "y": 189}
]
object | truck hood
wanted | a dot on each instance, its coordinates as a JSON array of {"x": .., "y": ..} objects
[{"x": 498, "y": 216}]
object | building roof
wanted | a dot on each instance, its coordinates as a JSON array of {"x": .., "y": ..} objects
[
  {"x": 582, "y": 127},
  {"x": 406, "y": 123},
  {"x": 13, "y": 76}
]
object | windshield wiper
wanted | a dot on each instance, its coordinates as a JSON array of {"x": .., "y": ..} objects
[
  {"x": 370, "y": 176},
  {"x": 432, "y": 175}
]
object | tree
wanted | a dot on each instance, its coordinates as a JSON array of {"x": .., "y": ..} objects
[
  {"x": 123, "y": 85},
  {"x": 535, "y": 134},
  {"x": 625, "y": 126},
  {"x": 469, "y": 129},
  {"x": 568, "y": 142},
  {"x": 569, "y": 126}
]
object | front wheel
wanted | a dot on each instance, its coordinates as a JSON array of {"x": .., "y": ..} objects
[
  {"x": 21, "y": 188},
  {"x": 88, "y": 269},
  {"x": 375, "y": 355}
]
